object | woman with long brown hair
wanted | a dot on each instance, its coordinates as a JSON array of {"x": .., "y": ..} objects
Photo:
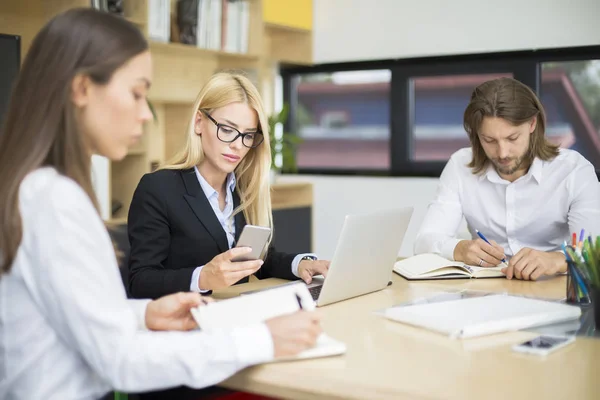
[{"x": 67, "y": 329}]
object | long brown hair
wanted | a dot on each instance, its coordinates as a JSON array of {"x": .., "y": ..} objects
[
  {"x": 515, "y": 102},
  {"x": 40, "y": 127}
]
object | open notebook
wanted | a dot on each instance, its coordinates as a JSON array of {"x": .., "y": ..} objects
[
  {"x": 261, "y": 306},
  {"x": 479, "y": 316},
  {"x": 432, "y": 266}
]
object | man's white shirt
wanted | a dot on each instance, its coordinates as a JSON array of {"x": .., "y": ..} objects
[{"x": 539, "y": 210}]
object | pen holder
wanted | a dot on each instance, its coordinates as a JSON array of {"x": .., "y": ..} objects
[{"x": 578, "y": 291}]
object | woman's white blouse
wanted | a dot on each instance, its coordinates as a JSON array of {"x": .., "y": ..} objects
[{"x": 67, "y": 330}]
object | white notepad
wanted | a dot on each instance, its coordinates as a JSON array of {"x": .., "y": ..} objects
[
  {"x": 261, "y": 306},
  {"x": 481, "y": 316},
  {"x": 432, "y": 266}
]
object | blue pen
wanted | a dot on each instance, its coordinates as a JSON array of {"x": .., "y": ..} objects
[{"x": 487, "y": 241}]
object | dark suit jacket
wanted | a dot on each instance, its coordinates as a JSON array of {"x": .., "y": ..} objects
[{"x": 173, "y": 229}]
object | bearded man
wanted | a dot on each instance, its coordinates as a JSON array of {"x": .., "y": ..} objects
[{"x": 524, "y": 195}]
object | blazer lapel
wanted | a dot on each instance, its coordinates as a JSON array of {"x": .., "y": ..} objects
[
  {"x": 199, "y": 204},
  {"x": 239, "y": 219}
]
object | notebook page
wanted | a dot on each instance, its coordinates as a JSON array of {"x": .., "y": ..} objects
[
  {"x": 479, "y": 272},
  {"x": 326, "y": 346},
  {"x": 258, "y": 307},
  {"x": 425, "y": 263}
]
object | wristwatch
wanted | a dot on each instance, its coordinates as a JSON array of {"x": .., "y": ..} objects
[{"x": 309, "y": 258}]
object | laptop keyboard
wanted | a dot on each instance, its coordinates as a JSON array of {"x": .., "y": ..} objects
[{"x": 315, "y": 291}]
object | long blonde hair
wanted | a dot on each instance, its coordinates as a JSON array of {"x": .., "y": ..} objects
[{"x": 252, "y": 174}]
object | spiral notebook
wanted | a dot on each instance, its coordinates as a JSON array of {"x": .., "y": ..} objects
[
  {"x": 261, "y": 306},
  {"x": 432, "y": 266}
]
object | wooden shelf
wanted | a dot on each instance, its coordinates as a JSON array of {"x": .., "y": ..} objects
[
  {"x": 181, "y": 70},
  {"x": 116, "y": 221},
  {"x": 186, "y": 50},
  {"x": 125, "y": 176},
  {"x": 136, "y": 21},
  {"x": 136, "y": 152},
  {"x": 286, "y": 28},
  {"x": 288, "y": 45},
  {"x": 291, "y": 195}
]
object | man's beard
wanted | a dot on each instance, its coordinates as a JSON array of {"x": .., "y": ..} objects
[{"x": 510, "y": 168}]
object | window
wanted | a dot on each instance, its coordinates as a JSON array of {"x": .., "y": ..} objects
[
  {"x": 570, "y": 93},
  {"x": 439, "y": 103},
  {"x": 344, "y": 120},
  {"x": 404, "y": 117}
]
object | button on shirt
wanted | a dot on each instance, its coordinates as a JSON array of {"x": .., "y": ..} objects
[
  {"x": 225, "y": 218},
  {"x": 539, "y": 210}
]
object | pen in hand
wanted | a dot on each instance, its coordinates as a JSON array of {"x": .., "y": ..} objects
[
  {"x": 299, "y": 301},
  {"x": 488, "y": 242}
]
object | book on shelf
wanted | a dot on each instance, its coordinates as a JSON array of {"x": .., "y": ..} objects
[
  {"x": 159, "y": 20},
  {"x": 223, "y": 25}
]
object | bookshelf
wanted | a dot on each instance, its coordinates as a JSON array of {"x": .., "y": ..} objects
[{"x": 277, "y": 32}]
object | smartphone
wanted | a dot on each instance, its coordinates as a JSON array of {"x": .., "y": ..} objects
[
  {"x": 544, "y": 344},
  {"x": 255, "y": 237}
]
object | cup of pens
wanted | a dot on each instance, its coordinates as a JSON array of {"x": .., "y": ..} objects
[{"x": 583, "y": 273}]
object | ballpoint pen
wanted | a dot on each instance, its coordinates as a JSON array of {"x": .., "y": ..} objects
[
  {"x": 299, "y": 300},
  {"x": 488, "y": 242}
]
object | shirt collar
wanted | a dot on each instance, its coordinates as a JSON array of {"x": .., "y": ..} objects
[
  {"x": 491, "y": 174},
  {"x": 535, "y": 170},
  {"x": 208, "y": 190}
]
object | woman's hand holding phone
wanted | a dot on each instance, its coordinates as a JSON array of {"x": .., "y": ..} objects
[{"x": 222, "y": 271}]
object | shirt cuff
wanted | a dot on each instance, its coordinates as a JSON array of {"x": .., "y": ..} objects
[
  {"x": 447, "y": 248},
  {"x": 253, "y": 344},
  {"x": 138, "y": 306},
  {"x": 296, "y": 262},
  {"x": 195, "y": 284}
]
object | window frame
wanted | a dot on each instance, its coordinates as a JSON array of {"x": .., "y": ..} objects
[{"x": 525, "y": 66}]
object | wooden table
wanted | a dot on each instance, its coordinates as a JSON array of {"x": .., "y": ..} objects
[{"x": 389, "y": 360}]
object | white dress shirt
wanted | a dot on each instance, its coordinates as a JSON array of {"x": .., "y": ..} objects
[
  {"x": 225, "y": 217},
  {"x": 67, "y": 330},
  {"x": 539, "y": 210}
]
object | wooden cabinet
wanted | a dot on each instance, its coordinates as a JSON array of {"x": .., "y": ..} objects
[{"x": 292, "y": 217}]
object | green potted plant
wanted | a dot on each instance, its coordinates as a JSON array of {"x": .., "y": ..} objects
[{"x": 285, "y": 145}]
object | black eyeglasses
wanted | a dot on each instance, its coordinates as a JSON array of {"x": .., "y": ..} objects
[{"x": 229, "y": 134}]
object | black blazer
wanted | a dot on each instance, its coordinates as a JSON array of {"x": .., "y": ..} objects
[{"x": 173, "y": 230}]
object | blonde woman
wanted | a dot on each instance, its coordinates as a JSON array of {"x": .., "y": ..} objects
[{"x": 184, "y": 218}]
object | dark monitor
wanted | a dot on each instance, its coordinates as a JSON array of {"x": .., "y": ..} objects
[{"x": 10, "y": 54}]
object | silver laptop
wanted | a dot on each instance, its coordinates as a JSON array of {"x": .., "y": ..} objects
[{"x": 364, "y": 256}]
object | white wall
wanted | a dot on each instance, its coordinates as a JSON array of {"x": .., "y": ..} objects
[
  {"x": 353, "y": 30},
  {"x": 335, "y": 197}
]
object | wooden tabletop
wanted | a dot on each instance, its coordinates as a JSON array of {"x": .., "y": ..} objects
[{"x": 389, "y": 360}]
